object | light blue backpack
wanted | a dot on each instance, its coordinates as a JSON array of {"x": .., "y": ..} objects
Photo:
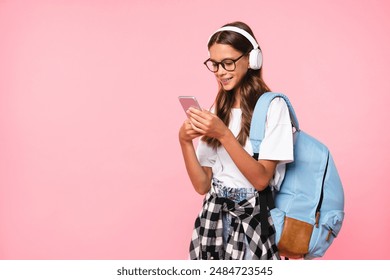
[{"x": 309, "y": 207}]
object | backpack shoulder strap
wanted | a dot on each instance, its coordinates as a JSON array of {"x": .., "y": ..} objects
[{"x": 257, "y": 128}]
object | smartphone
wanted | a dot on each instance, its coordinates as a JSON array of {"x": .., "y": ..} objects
[{"x": 189, "y": 101}]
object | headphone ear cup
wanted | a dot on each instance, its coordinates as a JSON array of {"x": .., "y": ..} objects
[{"x": 255, "y": 59}]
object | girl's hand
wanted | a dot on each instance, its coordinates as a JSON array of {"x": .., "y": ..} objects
[
  {"x": 187, "y": 133},
  {"x": 207, "y": 123}
]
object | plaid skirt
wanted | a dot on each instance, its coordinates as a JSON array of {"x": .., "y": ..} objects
[{"x": 245, "y": 239}]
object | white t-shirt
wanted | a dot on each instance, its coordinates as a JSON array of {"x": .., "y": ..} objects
[{"x": 276, "y": 145}]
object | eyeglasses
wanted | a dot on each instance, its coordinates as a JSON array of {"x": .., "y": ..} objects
[{"x": 227, "y": 64}]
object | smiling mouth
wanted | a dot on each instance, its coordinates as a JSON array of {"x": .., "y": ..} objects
[{"x": 224, "y": 81}]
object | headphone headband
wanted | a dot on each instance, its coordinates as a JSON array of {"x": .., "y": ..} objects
[{"x": 240, "y": 31}]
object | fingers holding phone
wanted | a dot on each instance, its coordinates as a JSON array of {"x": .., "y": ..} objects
[
  {"x": 200, "y": 122},
  {"x": 207, "y": 123}
]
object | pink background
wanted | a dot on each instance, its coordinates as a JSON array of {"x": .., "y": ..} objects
[{"x": 90, "y": 166}]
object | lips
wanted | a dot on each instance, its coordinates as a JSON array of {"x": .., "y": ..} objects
[{"x": 225, "y": 81}]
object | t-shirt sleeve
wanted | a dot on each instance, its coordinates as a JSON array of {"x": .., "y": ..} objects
[
  {"x": 206, "y": 154},
  {"x": 278, "y": 139}
]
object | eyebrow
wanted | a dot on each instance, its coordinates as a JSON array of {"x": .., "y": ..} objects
[{"x": 221, "y": 60}]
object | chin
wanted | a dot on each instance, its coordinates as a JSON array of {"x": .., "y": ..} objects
[{"x": 228, "y": 87}]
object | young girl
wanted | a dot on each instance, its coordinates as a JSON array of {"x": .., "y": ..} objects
[{"x": 222, "y": 167}]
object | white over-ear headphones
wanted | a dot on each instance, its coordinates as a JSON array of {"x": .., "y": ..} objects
[{"x": 255, "y": 56}]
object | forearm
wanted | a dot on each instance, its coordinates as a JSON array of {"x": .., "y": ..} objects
[
  {"x": 198, "y": 176},
  {"x": 257, "y": 173}
]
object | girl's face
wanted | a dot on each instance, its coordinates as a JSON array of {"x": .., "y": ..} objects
[{"x": 229, "y": 79}]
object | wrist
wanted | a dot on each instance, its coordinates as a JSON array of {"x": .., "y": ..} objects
[
  {"x": 225, "y": 136},
  {"x": 185, "y": 142}
]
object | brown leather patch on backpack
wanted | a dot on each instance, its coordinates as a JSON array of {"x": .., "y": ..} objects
[{"x": 295, "y": 238}]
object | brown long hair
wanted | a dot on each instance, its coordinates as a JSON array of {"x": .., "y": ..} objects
[{"x": 251, "y": 87}]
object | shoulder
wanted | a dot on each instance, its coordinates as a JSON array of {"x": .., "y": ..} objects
[
  {"x": 278, "y": 112},
  {"x": 278, "y": 103}
]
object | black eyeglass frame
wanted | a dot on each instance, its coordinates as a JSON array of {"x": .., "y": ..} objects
[{"x": 223, "y": 63}]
